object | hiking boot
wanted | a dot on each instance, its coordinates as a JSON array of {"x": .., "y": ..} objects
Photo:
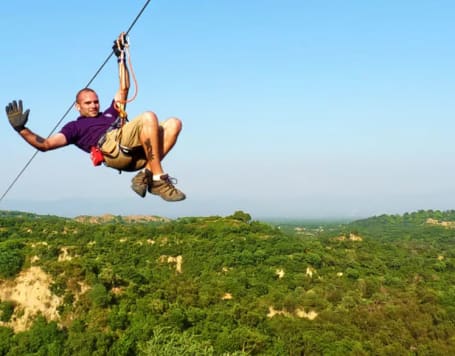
[
  {"x": 139, "y": 183},
  {"x": 165, "y": 189}
]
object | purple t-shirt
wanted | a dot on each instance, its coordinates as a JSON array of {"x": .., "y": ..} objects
[{"x": 85, "y": 132}]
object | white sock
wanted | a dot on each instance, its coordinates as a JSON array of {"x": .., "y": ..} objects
[{"x": 157, "y": 177}]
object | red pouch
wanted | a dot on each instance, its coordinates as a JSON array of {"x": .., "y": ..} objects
[{"x": 96, "y": 156}]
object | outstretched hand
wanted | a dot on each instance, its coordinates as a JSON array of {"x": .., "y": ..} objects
[
  {"x": 16, "y": 116},
  {"x": 119, "y": 44}
]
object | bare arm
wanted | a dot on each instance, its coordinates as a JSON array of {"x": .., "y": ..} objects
[
  {"x": 124, "y": 75},
  {"x": 124, "y": 78},
  {"x": 43, "y": 144}
]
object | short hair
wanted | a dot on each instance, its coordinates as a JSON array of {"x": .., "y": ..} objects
[{"x": 83, "y": 90}]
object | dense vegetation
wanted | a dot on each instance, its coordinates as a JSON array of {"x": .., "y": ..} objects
[{"x": 232, "y": 286}]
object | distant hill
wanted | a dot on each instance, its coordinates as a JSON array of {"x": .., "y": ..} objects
[
  {"x": 108, "y": 218},
  {"x": 227, "y": 285},
  {"x": 414, "y": 218}
]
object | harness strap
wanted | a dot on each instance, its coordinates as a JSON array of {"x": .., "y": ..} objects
[
  {"x": 115, "y": 125},
  {"x": 126, "y": 150}
]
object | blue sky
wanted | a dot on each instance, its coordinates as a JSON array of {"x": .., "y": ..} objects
[{"x": 302, "y": 109}]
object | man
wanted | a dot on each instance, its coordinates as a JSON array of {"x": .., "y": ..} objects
[{"x": 140, "y": 144}]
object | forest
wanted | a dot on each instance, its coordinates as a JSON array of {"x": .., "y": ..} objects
[{"x": 228, "y": 285}]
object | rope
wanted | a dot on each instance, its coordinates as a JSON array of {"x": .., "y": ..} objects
[
  {"x": 72, "y": 104},
  {"x": 121, "y": 104}
]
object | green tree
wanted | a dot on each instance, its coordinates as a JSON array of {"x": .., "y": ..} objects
[
  {"x": 6, "y": 310},
  {"x": 99, "y": 295},
  {"x": 43, "y": 338},
  {"x": 167, "y": 342},
  {"x": 241, "y": 216},
  {"x": 6, "y": 338},
  {"x": 11, "y": 258}
]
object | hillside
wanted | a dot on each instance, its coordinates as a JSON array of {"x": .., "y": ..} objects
[{"x": 226, "y": 286}]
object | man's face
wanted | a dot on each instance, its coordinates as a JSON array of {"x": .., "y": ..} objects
[{"x": 88, "y": 104}]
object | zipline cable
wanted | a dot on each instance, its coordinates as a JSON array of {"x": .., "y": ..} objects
[{"x": 72, "y": 104}]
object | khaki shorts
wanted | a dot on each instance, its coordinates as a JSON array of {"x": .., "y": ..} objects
[{"x": 123, "y": 149}]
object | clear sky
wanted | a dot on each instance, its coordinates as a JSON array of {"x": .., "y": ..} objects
[{"x": 291, "y": 108}]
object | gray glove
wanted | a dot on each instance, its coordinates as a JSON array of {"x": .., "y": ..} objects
[{"x": 17, "y": 118}]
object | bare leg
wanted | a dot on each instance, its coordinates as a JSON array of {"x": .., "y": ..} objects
[
  {"x": 150, "y": 139},
  {"x": 169, "y": 132},
  {"x": 157, "y": 140}
]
